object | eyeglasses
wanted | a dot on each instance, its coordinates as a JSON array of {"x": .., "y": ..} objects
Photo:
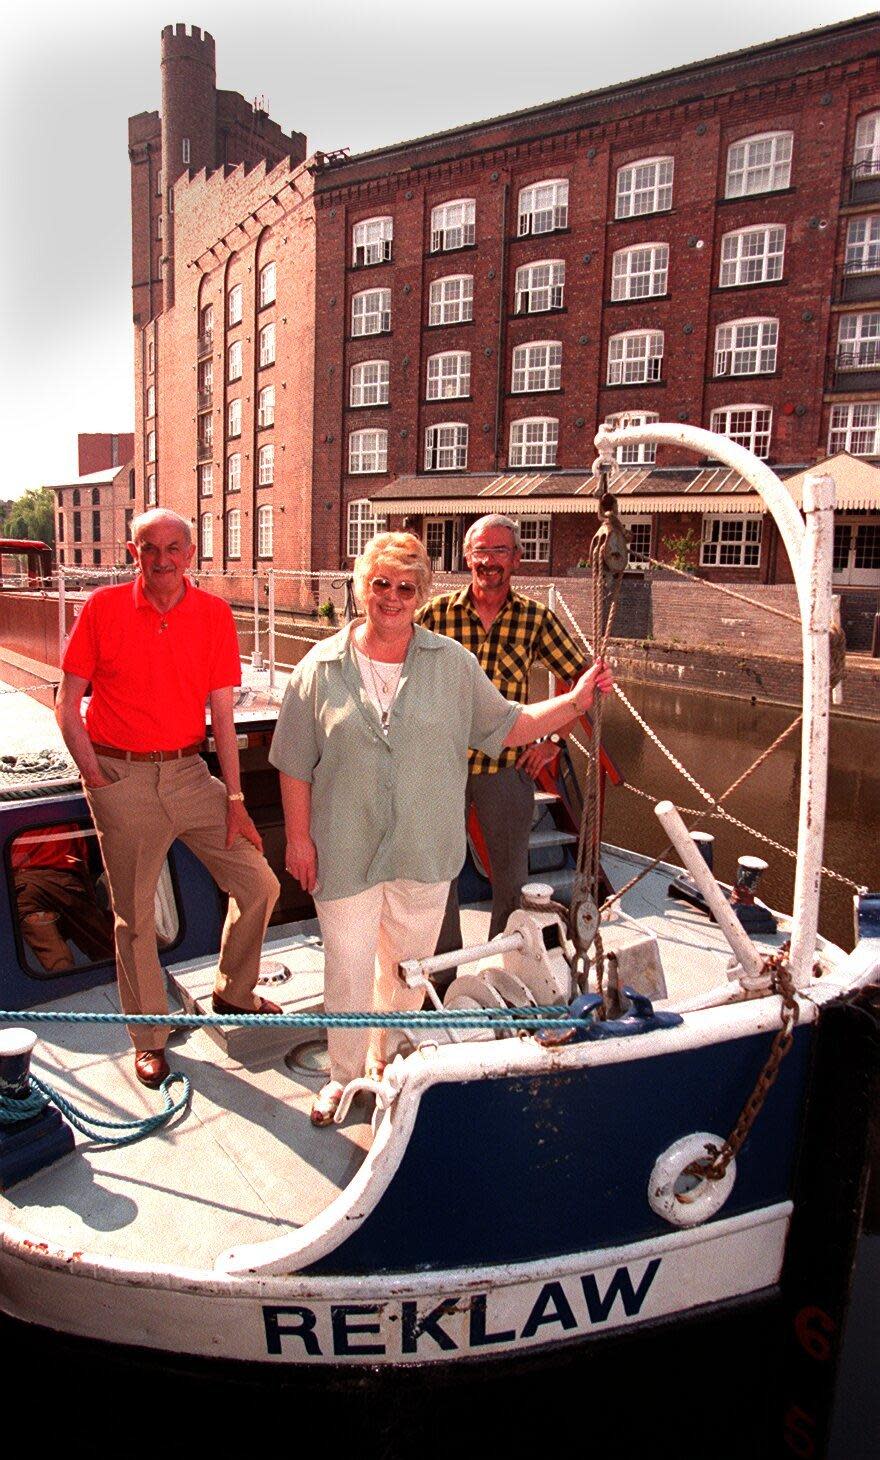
[
  {"x": 489, "y": 552},
  {"x": 405, "y": 591}
]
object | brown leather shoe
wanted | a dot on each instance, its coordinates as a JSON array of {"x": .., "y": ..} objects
[
  {"x": 265, "y": 1006},
  {"x": 151, "y": 1067}
]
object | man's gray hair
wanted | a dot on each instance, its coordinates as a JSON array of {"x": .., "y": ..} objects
[
  {"x": 495, "y": 519},
  {"x": 159, "y": 514}
]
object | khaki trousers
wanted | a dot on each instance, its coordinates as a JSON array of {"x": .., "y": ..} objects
[
  {"x": 365, "y": 937},
  {"x": 137, "y": 817}
]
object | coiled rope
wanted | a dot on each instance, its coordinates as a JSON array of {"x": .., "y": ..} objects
[{"x": 103, "y": 1132}]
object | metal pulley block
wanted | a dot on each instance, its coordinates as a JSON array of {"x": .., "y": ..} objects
[
  {"x": 583, "y": 917},
  {"x": 611, "y": 540}
]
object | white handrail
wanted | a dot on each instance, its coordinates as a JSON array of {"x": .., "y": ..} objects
[{"x": 809, "y": 548}]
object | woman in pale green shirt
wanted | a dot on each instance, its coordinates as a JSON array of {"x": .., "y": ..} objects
[{"x": 371, "y": 746}]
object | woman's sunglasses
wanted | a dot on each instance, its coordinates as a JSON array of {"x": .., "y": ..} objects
[{"x": 405, "y": 591}]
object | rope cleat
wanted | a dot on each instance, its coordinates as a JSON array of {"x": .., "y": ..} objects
[{"x": 639, "y": 1017}]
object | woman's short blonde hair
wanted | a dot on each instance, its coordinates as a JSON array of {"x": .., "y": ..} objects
[{"x": 401, "y": 551}]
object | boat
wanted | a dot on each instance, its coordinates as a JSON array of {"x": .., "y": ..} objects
[{"x": 547, "y": 1162}]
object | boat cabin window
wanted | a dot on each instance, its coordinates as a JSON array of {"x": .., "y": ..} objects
[{"x": 60, "y": 902}]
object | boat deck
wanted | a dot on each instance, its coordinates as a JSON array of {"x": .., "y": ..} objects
[{"x": 244, "y": 1164}]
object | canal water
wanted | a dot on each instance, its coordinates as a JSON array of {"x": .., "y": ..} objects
[{"x": 716, "y": 739}]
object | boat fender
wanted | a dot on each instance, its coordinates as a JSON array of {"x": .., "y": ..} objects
[{"x": 686, "y": 1200}]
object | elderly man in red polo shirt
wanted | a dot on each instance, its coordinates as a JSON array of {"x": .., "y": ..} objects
[{"x": 155, "y": 652}]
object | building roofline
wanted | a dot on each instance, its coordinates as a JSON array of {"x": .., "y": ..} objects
[{"x": 726, "y": 60}]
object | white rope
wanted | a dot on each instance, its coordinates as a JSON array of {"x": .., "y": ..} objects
[{"x": 718, "y": 809}]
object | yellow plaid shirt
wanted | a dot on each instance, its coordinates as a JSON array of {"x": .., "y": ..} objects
[{"x": 524, "y": 633}]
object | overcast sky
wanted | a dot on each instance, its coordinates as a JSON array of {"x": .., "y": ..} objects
[{"x": 345, "y": 72}]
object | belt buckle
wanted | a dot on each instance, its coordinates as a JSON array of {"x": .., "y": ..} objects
[{"x": 157, "y": 756}]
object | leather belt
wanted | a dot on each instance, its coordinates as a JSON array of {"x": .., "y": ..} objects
[{"x": 155, "y": 756}]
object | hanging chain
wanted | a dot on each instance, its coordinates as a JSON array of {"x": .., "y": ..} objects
[{"x": 713, "y": 1166}]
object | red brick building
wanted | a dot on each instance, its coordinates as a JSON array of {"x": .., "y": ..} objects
[
  {"x": 93, "y": 511},
  {"x": 436, "y": 329}
]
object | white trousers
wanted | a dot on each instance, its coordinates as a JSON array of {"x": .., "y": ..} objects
[{"x": 365, "y": 937}]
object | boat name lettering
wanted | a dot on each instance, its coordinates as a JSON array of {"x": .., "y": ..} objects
[{"x": 350, "y": 1330}]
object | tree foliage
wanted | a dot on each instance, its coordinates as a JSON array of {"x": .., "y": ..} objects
[{"x": 31, "y": 515}]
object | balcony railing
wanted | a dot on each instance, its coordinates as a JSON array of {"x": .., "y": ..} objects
[
  {"x": 864, "y": 181},
  {"x": 865, "y": 356},
  {"x": 205, "y": 399},
  {"x": 861, "y": 280},
  {"x": 205, "y": 345},
  {"x": 205, "y": 451}
]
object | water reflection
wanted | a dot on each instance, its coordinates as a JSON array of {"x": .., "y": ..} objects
[{"x": 716, "y": 739}]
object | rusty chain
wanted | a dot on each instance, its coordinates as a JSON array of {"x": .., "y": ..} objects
[{"x": 714, "y": 1166}]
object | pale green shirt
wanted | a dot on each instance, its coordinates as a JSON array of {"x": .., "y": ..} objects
[{"x": 390, "y": 806}]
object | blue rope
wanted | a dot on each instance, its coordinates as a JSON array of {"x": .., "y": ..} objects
[
  {"x": 100, "y": 1131},
  {"x": 540, "y": 1017}
]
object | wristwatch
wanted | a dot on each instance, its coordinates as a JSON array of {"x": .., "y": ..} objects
[{"x": 235, "y": 795}]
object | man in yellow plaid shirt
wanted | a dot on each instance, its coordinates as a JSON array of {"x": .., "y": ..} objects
[{"x": 508, "y": 633}]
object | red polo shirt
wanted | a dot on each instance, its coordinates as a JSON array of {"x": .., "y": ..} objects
[{"x": 151, "y": 673}]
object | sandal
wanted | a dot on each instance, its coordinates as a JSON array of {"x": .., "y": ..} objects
[{"x": 326, "y": 1103}]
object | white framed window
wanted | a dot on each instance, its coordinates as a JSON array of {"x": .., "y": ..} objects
[
  {"x": 537, "y": 366},
  {"x": 453, "y": 225},
  {"x": 644, "y": 187},
  {"x": 371, "y": 312},
  {"x": 451, "y": 299},
  {"x": 635, "y": 356},
  {"x": 731, "y": 542},
  {"x": 638, "y": 453},
  {"x": 543, "y": 207},
  {"x": 266, "y": 465},
  {"x": 206, "y": 321},
  {"x": 533, "y": 441},
  {"x": 369, "y": 383},
  {"x": 206, "y": 377},
  {"x": 752, "y": 255},
  {"x": 184, "y": 151},
  {"x": 233, "y": 472},
  {"x": 234, "y": 305},
  {"x": 363, "y": 523},
  {"x": 265, "y": 532},
  {"x": 206, "y": 480},
  {"x": 535, "y": 537},
  {"x": 367, "y": 452},
  {"x": 158, "y": 184},
  {"x": 151, "y": 357},
  {"x": 233, "y": 418},
  {"x": 638, "y": 534},
  {"x": 858, "y": 341},
  {"x": 855, "y": 428},
  {"x": 862, "y": 246},
  {"x": 266, "y": 406},
  {"x": 206, "y": 534},
  {"x": 206, "y": 429},
  {"x": 233, "y": 533},
  {"x": 760, "y": 164},
  {"x": 151, "y": 401},
  {"x": 449, "y": 375},
  {"x": 746, "y": 347},
  {"x": 267, "y": 344},
  {"x": 371, "y": 241},
  {"x": 446, "y": 447},
  {"x": 233, "y": 357},
  {"x": 151, "y": 446},
  {"x": 866, "y": 154},
  {"x": 268, "y": 283},
  {"x": 540, "y": 286},
  {"x": 641, "y": 272},
  {"x": 748, "y": 426},
  {"x": 151, "y": 490},
  {"x": 159, "y": 226}
]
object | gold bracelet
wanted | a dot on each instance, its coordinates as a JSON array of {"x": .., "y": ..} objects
[{"x": 235, "y": 795}]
